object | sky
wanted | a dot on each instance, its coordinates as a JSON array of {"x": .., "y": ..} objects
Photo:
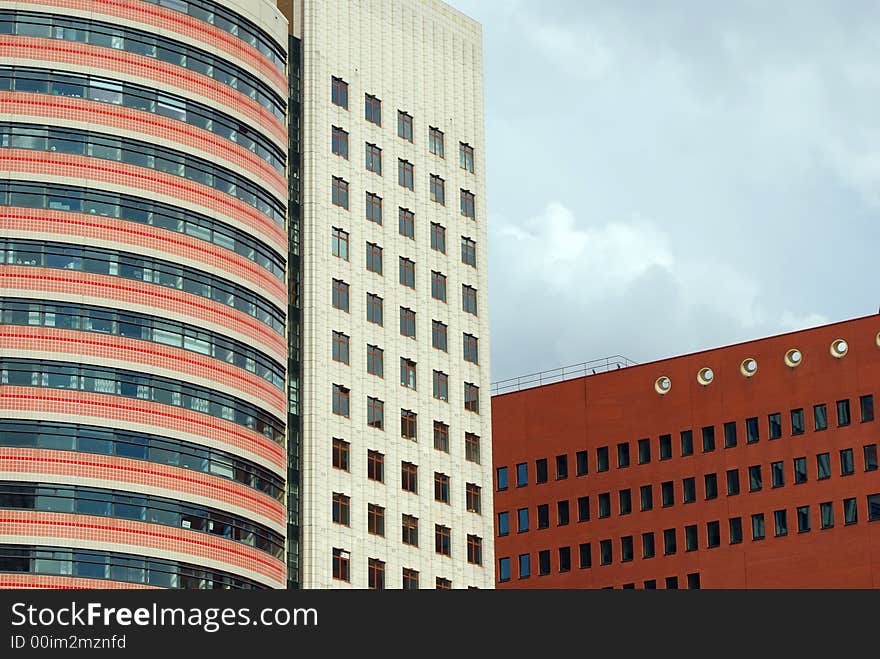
[{"x": 671, "y": 176}]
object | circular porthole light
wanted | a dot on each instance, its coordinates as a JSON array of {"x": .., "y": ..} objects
[
  {"x": 663, "y": 385},
  {"x": 793, "y": 358},
  {"x": 748, "y": 367},
  {"x": 839, "y": 348},
  {"x": 705, "y": 376}
]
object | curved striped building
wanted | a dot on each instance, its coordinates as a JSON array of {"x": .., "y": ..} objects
[{"x": 143, "y": 293}]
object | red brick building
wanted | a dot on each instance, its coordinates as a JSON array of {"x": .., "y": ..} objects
[{"x": 749, "y": 466}]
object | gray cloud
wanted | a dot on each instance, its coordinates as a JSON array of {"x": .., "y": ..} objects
[{"x": 668, "y": 177}]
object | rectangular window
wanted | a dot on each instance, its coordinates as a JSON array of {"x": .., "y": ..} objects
[
  {"x": 471, "y": 348},
  {"x": 667, "y": 493},
  {"x": 339, "y": 142},
  {"x": 644, "y": 451},
  {"x": 690, "y": 537},
  {"x": 847, "y": 462},
  {"x": 341, "y": 396},
  {"x": 473, "y": 498},
  {"x": 777, "y": 473},
  {"x": 522, "y": 520},
  {"x": 410, "y": 579},
  {"x": 800, "y": 470},
  {"x": 375, "y": 519},
  {"x": 339, "y": 191},
  {"x": 374, "y": 208},
  {"x": 372, "y": 109},
  {"x": 541, "y": 470},
  {"x": 341, "y": 560},
  {"x": 873, "y": 507},
  {"x": 626, "y": 549},
  {"x": 407, "y": 271},
  {"x": 826, "y": 513},
  {"x": 803, "y": 519},
  {"x": 405, "y": 174},
  {"x": 797, "y": 421},
  {"x": 407, "y": 373},
  {"x": 339, "y": 92},
  {"x": 406, "y": 223},
  {"x": 375, "y": 413},
  {"x": 340, "y": 347},
  {"x": 472, "y": 447},
  {"x": 409, "y": 477},
  {"x": 689, "y": 490},
  {"x": 708, "y": 439},
  {"x": 404, "y": 126},
  {"x": 474, "y": 550},
  {"x": 605, "y": 552},
  {"x": 374, "y": 258},
  {"x": 341, "y": 509},
  {"x": 755, "y": 478},
  {"x": 866, "y": 408},
  {"x": 469, "y": 299},
  {"x": 604, "y": 505},
  {"x": 340, "y": 295},
  {"x": 850, "y": 511},
  {"x": 471, "y": 397},
  {"x": 438, "y": 335},
  {"x": 562, "y": 513},
  {"x": 410, "y": 530},
  {"x": 525, "y": 569},
  {"x": 710, "y": 482},
  {"x": 646, "y": 495},
  {"x": 441, "y": 487},
  {"x": 753, "y": 434},
  {"x": 408, "y": 425},
  {"x": 503, "y": 524},
  {"x": 375, "y": 574},
  {"x": 561, "y": 467},
  {"x": 693, "y": 581},
  {"x": 522, "y": 474},
  {"x": 843, "y": 412},
  {"x": 687, "y": 443},
  {"x": 341, "y": 451},
  {"x": 780, "y": 520},
  {"x": 624, "y": 498},
  {"x": 441, "y": 436},
  {"x": 870, "y": 453},
  {"x": 581, "y": 462},
  {"x": 669, "y": 547},
  {"x": 758, "y": 526},
  {"x": 375, "y": 360},
  {"x": 775, "y": 425},
  {"x": 823, "y": 466},
  {"x": 438, "y": 237},
  {"x": 435, "y": 141},
  {"x": 602, "y": 458},
  {"x": 468, "y": 251},
  {"x": 438, "y": 286},
  {"x": 407, "y": 322},
  {"x": 735, "y": 525},
  {"x": 501, "y": 478},
  {"x": 585, "y": 555},
  {"x": 622, "y": 455},
  {"x": 376, "y": 466},
  {"x": 374, "y": 309},
  {"x": 438, "y": 190},
  {"x": 671, "y": 583},
  {"x": 373, "y": 158},
  {"x": 466, "y": 156},
  {"x": 732, "y": 482},
  {"x": 583, "y": 509},
  {"x": 543, "y": 514},
  {"x": 565, "y": 559},
  {"x": 713, "y": 534},
  {"x": 648, "y": 549},
  {"x": 730, "y": 434},
  {"x": 820, "y": 417},
  {"x": 468, "y": 204}
]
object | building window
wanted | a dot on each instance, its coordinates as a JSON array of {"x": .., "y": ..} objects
[
  {"x": 777, "y": 473},
  {"x": 775, "y": 424},
  {"x": 585, "y": 556},
  {"x": 866, "y": 407},
  {"x": 410, "y": 528},
  {"x": 340, "y": 192},
  {"x": 501, "y": 478},
  {"x": 408, "y": 424},
  {"x": 375, "y": 360},
  {"x": 375, "y": 413},
  {"x": 442, "y": 540},
  {"x": 374, "y": 208},
  {"x": 405, "y": 174},
  {"x": 340, "y": 347},
  {"x": 409, "y": 477},
  {"x": 780, "y": 520},
  {"x": 732, "y": 482},
  {"x": 541, "y": 471},
  {"x": 753, "y": 434},
  {"x": 522, "y": 474},
  {"x": 847, "y": 462},
  {"x": 565, "y": 559},
  {"x": 665, "y": 445},
  {"x": 800, "y": 470},
  {"x": 438, "y": 237},
  {"x": 823, "y": 466},
  {"x": 605, "y": 552},
  {"x": 375, "y": 519},
  {"x": 468, "y": 251},
  {"x": 339, "y": 92},
  {"x": 407, "y": 322},
  {"x": 438, "y": 190},
  {"x": 581, "y": 462},
  {"x": 407, "y": 273},
  {"x": 843, "y": 412},
  {"x": 755, "y": 478},
  {"x": 543, "y": 515},
  {"x": 468, "y": 204},
  {"x": 472, "y": 447},
  {"x": 525, "y": 569},
  {"x": 693, "y": 581},
  {"x": 375, "y": 574},
  {"x": 374, "y": 258},
  {"x": 544, "y": 562},
  {"x": 730, "y": 434},
  {"x": 820, "y": 417},
  {"x": 690, "y": 537},
  {"x": 341, "y": 450},
  {"x": 522, "y": 520},
  {"x": 404, "y": 126},
  {"x": 340, "y": 295},
  {"x": 340, "y": 142},
  {"x": 562, "y": 513},
  {"x": 341, "y": 396},
  {"x": 736, "y": 530},
  {"x": 473, "y": 498},
  {"x": 373, "y": 158},
  {"x": 604, "y": 505},
  {"x": 669, "y": 547},
  {"x": 372, "y": 109},
  {"x": 474, "y": 550},
  {"x": 561, "y": 467},
  {"x": 870, "y": 452},
  {"x": 341, "y": 560},
  {"x": 708, "y": 439},
  {"x": 466, "y": 156},
  {"x": 671, "y": 583},
  {"x": 648, "y": 550},
  {"x": 622, "y": 455},
  {"x": 624, "y": 498},
  {"x": 644, "y": 451},
  {"x": 407, "y": 373},
  {"x": 826, "y": 512},
  {"x": 667, "y": 493},
  {"x": 471, "y": 397},
  {"x": 441, "y": 487},
  {"x": 687, "y": 443},
  {"x": 803, "y": 519},
  {"x": 471, "y": 348},
  {"x": 341, "y": 509},
  {"x": 710, "y": 481},
  {"x": 850, "y": 511},
  {"x": 469, "y": 299},
  {"x": 435, "y": 141},
  {"x": 441, "y": 436},
  {"x": 504, "y": 569},
  {"x": 583, "y": 509},
  {"x": 646, "y": 494},
  {"x": 689, "y": 490},
  {"x": 406, "y": 223},
  {"x": 626, "y": 549},
  {"x": 713, "y": 534},
  {"x": 410, "y": 579},
  {"x": 503, "y": 524},
  {"x": 376, "y": 466},
  {"x": 797, "y": 422},
  {"x": 438, "y": 286},
  {"x": 602, "y": 458},
  {"x": 758, "y": 526},
  {"x": 438, "y": 335}
]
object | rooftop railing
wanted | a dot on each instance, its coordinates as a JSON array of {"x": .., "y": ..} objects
[{"x": 561, "y": 374}]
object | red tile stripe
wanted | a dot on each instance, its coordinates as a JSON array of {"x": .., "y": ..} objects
[
  {"x": 183, "y": 483},
  {"x": 157, "y": 417},
  {"x": 42, "y": 163},
  {"x": 112, "y": 532},
  {"x": 131, "y": 234},
  {"x": 140, "y": 66},
  {"x": 52, "y": 582},
  {"x": 144, "y": 356},
  {"x": 175, "y": 21},
  {"x": 164, "y": 129},
  {"x": 32, "y": 280}
]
